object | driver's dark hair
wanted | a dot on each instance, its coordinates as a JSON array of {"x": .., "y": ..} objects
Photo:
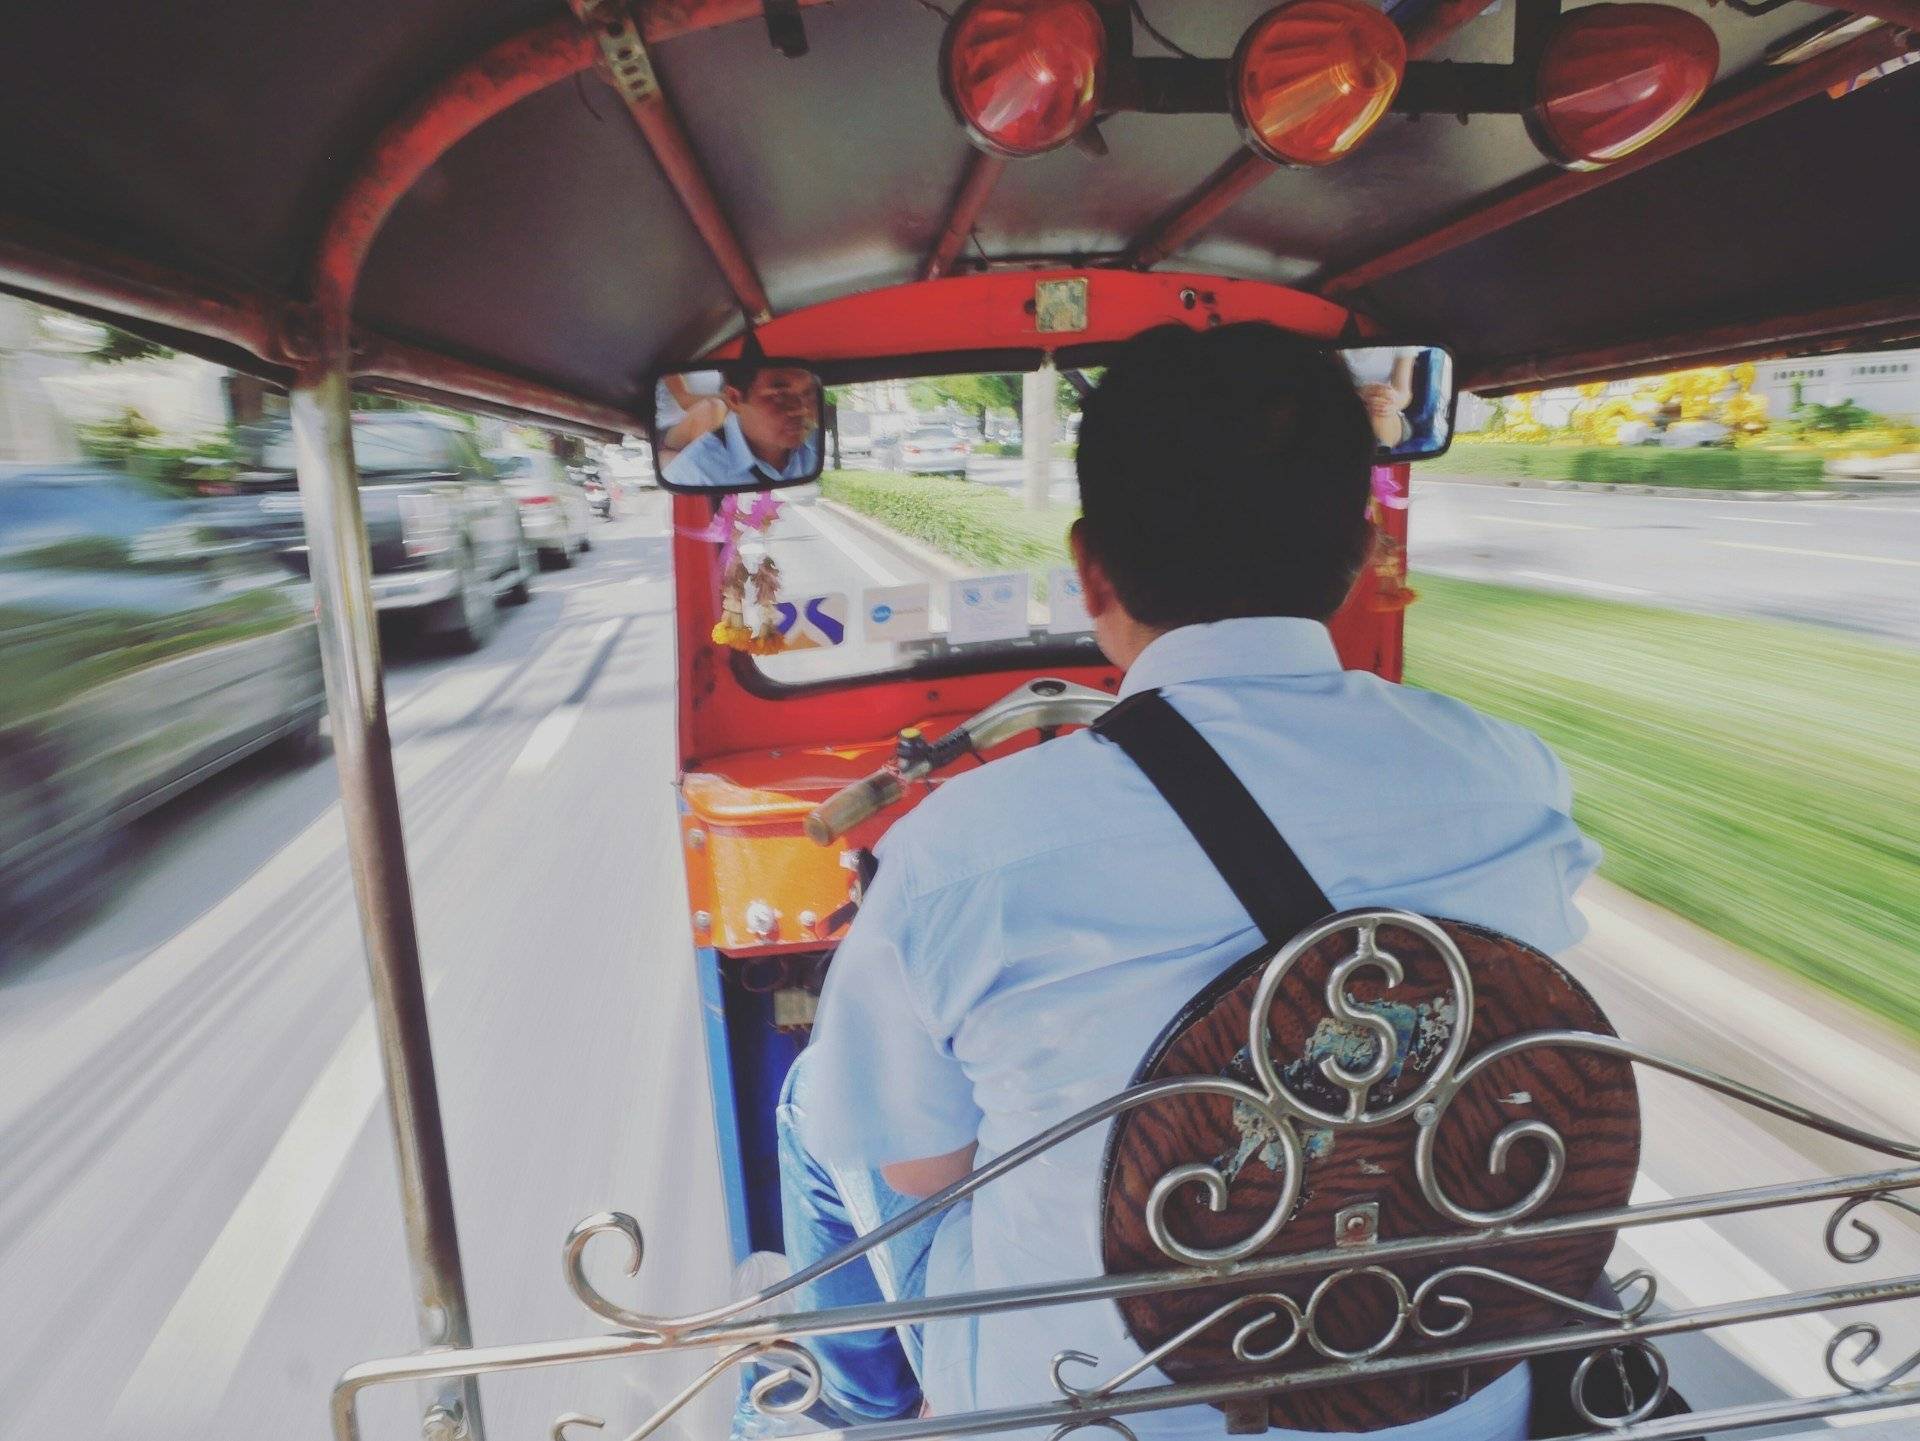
[
  {"x": 740, "y": 373},
  {"x": 1225, "y": 473}
]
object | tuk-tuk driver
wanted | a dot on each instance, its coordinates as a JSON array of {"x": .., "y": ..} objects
[
  {"x": 771, "y": 433},
  {"x": 1035, "y": 923}
]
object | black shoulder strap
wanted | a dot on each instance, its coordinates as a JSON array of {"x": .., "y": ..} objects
[{"x": 1253, "y": 858}]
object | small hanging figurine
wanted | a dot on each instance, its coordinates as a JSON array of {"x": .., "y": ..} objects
[{"x": 767, "y": 639}]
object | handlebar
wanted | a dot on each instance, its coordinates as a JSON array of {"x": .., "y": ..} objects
[
  {"x": 845, "y": 809},
  {"x": 1037, "y": 705}
]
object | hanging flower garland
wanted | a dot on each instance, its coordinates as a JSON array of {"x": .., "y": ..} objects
[
  {"x": 1391, "y": 591},
  {"x": 730, "y": 524}
]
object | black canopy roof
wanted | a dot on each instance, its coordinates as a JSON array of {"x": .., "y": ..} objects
[{"x": 214, "y": 137}]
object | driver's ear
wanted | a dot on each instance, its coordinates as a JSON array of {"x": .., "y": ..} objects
[{"x": 1096, "y": 591}]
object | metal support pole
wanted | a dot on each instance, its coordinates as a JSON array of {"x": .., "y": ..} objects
[
  {"x": 1037, "y": 403},
  {"x": 369, "y": 798}
]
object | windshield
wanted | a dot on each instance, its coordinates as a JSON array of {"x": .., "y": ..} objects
[{"x": 943, "y": 535}]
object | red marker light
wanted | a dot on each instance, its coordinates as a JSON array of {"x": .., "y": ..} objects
[
  {"x": 1614, "y": 77},
  {"x": 1311, "y": 79},
  {"x": 1024, "y": 76}
]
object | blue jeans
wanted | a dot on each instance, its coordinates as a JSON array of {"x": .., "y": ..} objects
[{"x": 866, "y": 1375}]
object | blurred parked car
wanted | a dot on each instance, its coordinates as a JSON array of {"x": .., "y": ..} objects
[
  {"x": 554, "y": 510},
  {"x": 924, "y": 450},
  {"x": 599, "y": 497},
  {"x": 444, "y": 533},
  {"x": 141, "y": 651}
]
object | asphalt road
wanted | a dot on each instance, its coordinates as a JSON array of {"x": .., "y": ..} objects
[
  {"x": 198, "y": 1213},
  {"x": 1851, "y": 564},
  {"x": 199, "y": 1218}
]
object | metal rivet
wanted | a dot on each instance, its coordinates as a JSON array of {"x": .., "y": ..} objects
[
  {"x": 761, "y": 918},
  {"x": 697, "y": 840},
  {"x": 808, "y": 920},
  {"x": 702, "y": 921},
  {"x": 1424, "y": 1113}
]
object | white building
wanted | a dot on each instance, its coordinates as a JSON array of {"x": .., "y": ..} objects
[{"x": 1886, "y": 382}]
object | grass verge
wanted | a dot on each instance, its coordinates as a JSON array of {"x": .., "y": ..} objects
[
  {"x": 1754, "y": 776},
  {"x": 980, "y": 525},
  {"x": 1703, "y": 469}
]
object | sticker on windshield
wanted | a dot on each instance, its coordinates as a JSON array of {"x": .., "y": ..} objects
[
  {"x": 809, "y": 624},
  {"x": 987, "y": 607},
  {"x": 898, "y": 612},
  {"x": 1066, "y": 605}
]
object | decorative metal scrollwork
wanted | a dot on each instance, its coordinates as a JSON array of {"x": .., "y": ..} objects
[
  {"x": 1616, "y": 1356},
  {"x": 1845, "y": 1212},
  {"x": 797, "y": 1365},
  {"x": 1410, "y": 1309},
  {"x": 1869, "y": 1338}
]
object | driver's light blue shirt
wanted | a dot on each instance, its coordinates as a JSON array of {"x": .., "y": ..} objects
[
  {"x": 1035, "y": 924},
  {"x": 722, "y": 458}
]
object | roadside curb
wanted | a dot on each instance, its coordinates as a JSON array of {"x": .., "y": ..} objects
[
  {"x": 1747, "y": 1017},
  {"x": 1685, "y": 492},
  {"x": 911, "y": 551}
]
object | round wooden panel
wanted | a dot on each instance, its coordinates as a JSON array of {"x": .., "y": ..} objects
[{"x": 1588, "y": 1099}]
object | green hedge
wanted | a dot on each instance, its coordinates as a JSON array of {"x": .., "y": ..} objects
[
  {"x": 978, "y": 525},
  {"x": 1706, "y": 468}
]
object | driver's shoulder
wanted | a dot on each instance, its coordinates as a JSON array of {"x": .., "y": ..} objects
[{"x": 1036, "y": 802}]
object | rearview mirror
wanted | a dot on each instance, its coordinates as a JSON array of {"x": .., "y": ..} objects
[
  {"x": 1409, "y": 395},
  {"x": 738, "y": 425}
]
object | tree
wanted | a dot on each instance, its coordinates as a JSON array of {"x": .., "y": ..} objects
[
  {"x": 116, "y": 346},
  {"x": 975, "y": 394}
]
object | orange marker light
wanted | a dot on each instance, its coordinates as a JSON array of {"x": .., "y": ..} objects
[
  {"x": 1311, "y": 79},
  {"x": 1024, "y": 76},
  {"x": 1614, "y": 77}
]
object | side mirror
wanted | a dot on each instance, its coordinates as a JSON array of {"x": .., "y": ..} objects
[
  {"x": 1409, "y": 395},
  {"x": 740, "y": 425}
]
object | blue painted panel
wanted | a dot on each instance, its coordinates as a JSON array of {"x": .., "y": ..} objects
[
  {"x": 726, "y": 1124},
  {"x": 761, "y": 1058}
]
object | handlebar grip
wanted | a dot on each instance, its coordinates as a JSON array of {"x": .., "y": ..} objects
[{"x": 845, "y": 809}]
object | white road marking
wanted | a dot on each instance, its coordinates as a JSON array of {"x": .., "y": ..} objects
[
  {"x": 191, "y": 1360},
  {"x": 1820, "y": 554},
  {"x": 1539, "y": 524},
  {"x": 1525, "y": 500},
  {"x": 545, "y": 742},
  {"x": 1761, "y": 520},
  {"x": 557, "y": 725},
  {"x": 35, "y": 1067},
  {"x": 38, "y": 1065},
  {"x": 1579, "y": 584}
]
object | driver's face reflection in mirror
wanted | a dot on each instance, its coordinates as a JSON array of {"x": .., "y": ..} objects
[
  {"x": 770, "y": 432},
  {"x": 777, "y": 411}
]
